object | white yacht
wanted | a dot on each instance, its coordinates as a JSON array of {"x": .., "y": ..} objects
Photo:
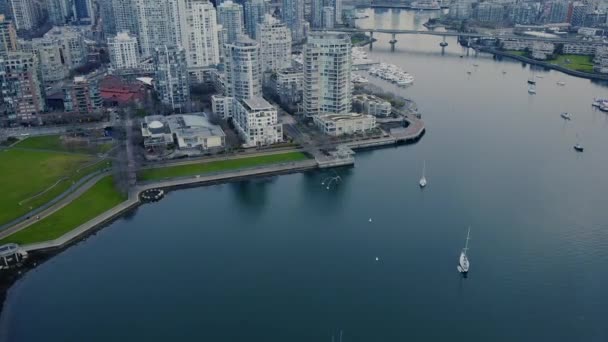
[
  {"x": 463, "y": 261},
  {"x": 566, "y": 116},
  {"x": 422, "y": 181}
]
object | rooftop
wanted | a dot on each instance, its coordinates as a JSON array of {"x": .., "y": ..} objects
[{"x": 256, "y": 103}]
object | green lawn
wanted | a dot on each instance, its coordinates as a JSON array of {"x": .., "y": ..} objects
[
  {"x": 222, "y": 165},
  {"x": 574, "y": 62},
  {"x": 24, "y": 174},
  {"x": 55, "y": 143},
  {"x": 98, "y": 199}
]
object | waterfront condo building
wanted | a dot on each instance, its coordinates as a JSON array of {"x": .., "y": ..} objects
[
  {"x": 124, "y": 51},
  {"x": 256, "y": 122},
  {"x": 274, "y": 39},
  {"x": 20, "y": 87},
  {"x": 171, "y": 77},
  {"x": 243, "y": 68},
  {"x": 327, "y": 70}
]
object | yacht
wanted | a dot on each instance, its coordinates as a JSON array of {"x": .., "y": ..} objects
[
  {"x": 531, "y": 86},
  {"x": 422, "y": 181},
  {"x": 463, "y": 261},
  {"x": 578, "y": 147},
  {"x": 566, "y": 116}
]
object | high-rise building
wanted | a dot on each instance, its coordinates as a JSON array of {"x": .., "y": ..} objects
[
  {"x": 158, "y": 24},
  {"x": 577, "y": 12},
  {"x": 255, "y": 11},
  {"x": 293, "y": 17},
  {"x": 556, "y": 12},
  {"x": 256, "y": 121},
  {"x": 58, "y": 11},
  {"x": 171, "y": 77},
  {"x": 274, "y": 39},
  {"x": 125, "y": 16},
  {"x": 316, "y": 13},
  {"x": 199, "y": 33},
  {"x": 60, "y": 50},
  {"x": 327, "y": 70},
  {"x": 21, "y": 99},
  {"x": 124, "y": 51},
  {"x": 595, "y": 19},
  {"x": 523, "y": 13},
  {"x": 230, "y": 16},
  {"x": 243, "y": 69},
  {"x": 24, "y": 14},
  {"x": 82, "y": 97},
  {"x": 83, "y": 11},
  {"x": 489, "y": 12},
  {"x": 338, "y": 10},
  {"x": 329, "y": 17},
  {"x": 461, "y": 9},
  {"x": 8, "y": 36}
]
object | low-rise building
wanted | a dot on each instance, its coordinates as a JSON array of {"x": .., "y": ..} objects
[
  {"x": 372, "y": 105},
  {"x": 516, "y": 44},
  {"x": 185, "y": 132},
  {"x": 600, "y": 62},
  {"x": 542, "y": 50},
  {"x": 116, "y": 91},
  {"x": 256, "y": 122},
  {"x": 340, "y": 124},
  {"x": 222, "y": 106},
  {"x": 579, "y": 49}
]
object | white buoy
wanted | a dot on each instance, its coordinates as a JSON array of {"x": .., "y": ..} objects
[
  {"x": 377, "y": 258},
  {"x": 370, "y": 220}
]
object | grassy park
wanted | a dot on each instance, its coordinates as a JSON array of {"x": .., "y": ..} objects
[
  {"x": 98, "y": 199},
  {"x": 218, "y": 166},
  {"x": 24, "y": 174},
  {"x": 574, "y": 62},
  {"x": 55, "y": 143}
]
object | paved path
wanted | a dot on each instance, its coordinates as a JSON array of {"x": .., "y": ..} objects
[
  {"x": 133, "y": 200},
  {"x": 51, "y": 207}
]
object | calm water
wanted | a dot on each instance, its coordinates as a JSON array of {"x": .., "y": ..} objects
[{"x": 283, "y": 259}]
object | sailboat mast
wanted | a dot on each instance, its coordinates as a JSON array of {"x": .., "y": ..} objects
[
  {"x": 424, "y": 169},
  {"x": 466, "y": 244}
]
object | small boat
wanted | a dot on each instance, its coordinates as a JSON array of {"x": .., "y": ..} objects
[
  {"x": 566, "y": 116},
  {"x": 422, "y": 181},
  {"x": 469, "y": 72},
  {"x": 504, "y": 72},
  {"x": 475, "y": 64},
  {"x": 461, "y": 56},
  {"x": 578, "y": 147},
  {"x": 531, "y": 81},
  {"x": 539, "y": 76},
  {"x": 561, "y": 83},
  {"x": 463, "y": 261},
  {"x": 531, "y": 90}
]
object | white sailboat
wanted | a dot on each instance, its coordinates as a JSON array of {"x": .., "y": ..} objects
[
  {"x": 422, "y": 181},
  {"x": 463, "y": 262}
]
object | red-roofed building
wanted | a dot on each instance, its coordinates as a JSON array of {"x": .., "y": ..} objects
[{"x": 115, "y": 91}]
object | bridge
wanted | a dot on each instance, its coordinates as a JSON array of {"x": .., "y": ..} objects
[{"x": 444, "y": 34}]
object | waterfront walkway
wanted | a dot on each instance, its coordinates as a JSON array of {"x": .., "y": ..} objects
[{"x": 134, "y": 200}]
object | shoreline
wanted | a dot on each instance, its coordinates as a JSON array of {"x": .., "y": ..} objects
[{"x": 581, "y": 74}]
